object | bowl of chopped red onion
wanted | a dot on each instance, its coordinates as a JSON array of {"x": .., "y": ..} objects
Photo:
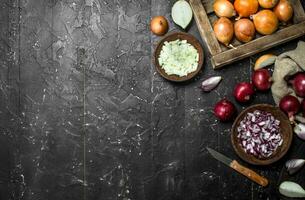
[{"x": 261, "y": 134}]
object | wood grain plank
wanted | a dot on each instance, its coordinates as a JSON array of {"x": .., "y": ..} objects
[
  {"x": 208, "y": 6},
  {"x": 258, "y": 45},
  {"x": 299, "y": 14},
  {"x": 204, "y": 27}
]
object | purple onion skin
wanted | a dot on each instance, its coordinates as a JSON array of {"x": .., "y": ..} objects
[
  {"x": 224, "y": 110},
  {"x": 290, "y": 105},
  {"x": 243, "y": 92},
  {"x": 298, "y": 84},
  {"x": 261, "y": 79},
  {"x": 210, "y": 83}
]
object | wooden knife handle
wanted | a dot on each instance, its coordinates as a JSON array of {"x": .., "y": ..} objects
[{"x": 252, "y": 175}]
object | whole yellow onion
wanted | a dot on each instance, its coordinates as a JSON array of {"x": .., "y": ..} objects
[
  {"x": 267, "y": 3},
  {"x": 244, "y": 30},
  {"x": 265, "y": 22},
  {"x": 224, "y": 8},
  {"x": 245, "y": 8},
  {"x": 223, "y": 29},
  {"x": 283, "y": 10}
]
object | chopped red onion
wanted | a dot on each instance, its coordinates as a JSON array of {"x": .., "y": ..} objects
[{"x": 259, "y": 134}]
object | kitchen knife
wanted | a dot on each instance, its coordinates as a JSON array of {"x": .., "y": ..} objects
[{"x": 239, "y": 168}]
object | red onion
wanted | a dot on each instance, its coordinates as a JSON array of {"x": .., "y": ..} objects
[
  {"x": 290, "y": 105},
  {"x": 298, "y": 84},
  {"x": 261, "y": 79},
  {"x": 259, "y": 134},
  {"x": 224, "y": 110},
  {"x": 243, "y": 92}
]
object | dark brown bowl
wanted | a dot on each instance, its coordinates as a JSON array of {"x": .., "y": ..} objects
[
  {"x": 285, "y": 128},
  {"x": 182, "y": 36}
]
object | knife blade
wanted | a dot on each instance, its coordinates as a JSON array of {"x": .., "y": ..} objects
[{"x": 252, "y": 175}]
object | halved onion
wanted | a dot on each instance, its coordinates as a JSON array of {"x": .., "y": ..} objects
[{"x": 182, "y": 13}]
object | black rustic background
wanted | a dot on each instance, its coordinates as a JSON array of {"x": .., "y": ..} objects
[{"x": 84, "y": 115}]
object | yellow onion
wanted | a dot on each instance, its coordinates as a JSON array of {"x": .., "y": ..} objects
[
  {"x": 265, "y": 22},
  {"x": 224, "y": 8},
  {"x": 245, "y": 8},
  {"x": 244, "y": 30},
  {"x": 159, "y": 25},
  {"x": 283, "y": 10},
  {"x": 267, "y": 3},
  {"x": 223, "y": 29}
]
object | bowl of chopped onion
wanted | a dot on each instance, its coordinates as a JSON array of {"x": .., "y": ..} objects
[
  {"x": 261, "y": 134},
  {"x": 178, "y": 57}
]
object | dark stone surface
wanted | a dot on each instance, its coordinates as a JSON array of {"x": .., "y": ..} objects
[{"x": 84, "y": 115}]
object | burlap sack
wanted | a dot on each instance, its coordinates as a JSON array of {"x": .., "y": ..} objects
[{"x": 287, "y": 64}]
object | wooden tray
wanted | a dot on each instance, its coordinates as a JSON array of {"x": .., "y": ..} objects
[{"x": 221, "y": 55}]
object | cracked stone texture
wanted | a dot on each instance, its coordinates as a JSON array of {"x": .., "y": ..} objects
[{"x": 84, "y": 115}]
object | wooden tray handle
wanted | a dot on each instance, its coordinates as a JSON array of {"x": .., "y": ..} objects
[{"x": 252, "y": 175}]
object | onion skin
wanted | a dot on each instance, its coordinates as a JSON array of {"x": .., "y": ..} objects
[
  {"x": 210, "y": 83},
  {"x": 299, "y": 130},
  {"x": 159, "y": 25},
  {"x": 224, "y": 8},
  {"x": 244, "y": 30},
  {"x": 265, "y": 22},
  {"x": 224, "y": 110},
  {"x": 267, "y": 3},
  {"x": 290, "y": 105},
  {"x": 245, "y": 8},
  {"x": 264, "y": 61},
  {"x": 243, "y": 92},
  {"x": 224, "y": 31},
  {"x": 261, "y": 79},
  {"x": 298, "y": 84},
  {"x": 283, "y": 10},
  {"x": 294, "y": 165}
]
